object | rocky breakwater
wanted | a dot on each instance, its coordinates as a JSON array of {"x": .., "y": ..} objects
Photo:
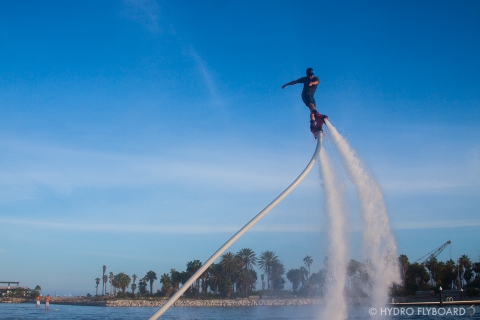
[
  {"x": 12, "y": 300},
  {"x": 214, "y": 303},
  {"x": 79, "y": 302}
]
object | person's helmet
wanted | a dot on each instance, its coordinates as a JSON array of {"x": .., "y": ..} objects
[{"x": 309, "y": 72}]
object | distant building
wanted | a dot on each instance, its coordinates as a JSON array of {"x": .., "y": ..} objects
[{"x": 12, "y": 286}]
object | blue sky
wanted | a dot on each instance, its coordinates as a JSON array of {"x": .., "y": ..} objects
[{"x": 141, "y": 135}]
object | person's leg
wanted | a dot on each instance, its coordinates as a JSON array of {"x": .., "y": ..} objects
[
  {"x": 310, "y": 103},
  {"x": 313, "y": 111},
  {"x": 313, "y": 106}
]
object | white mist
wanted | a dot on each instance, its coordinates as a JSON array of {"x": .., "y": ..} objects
[
  {"x": 379, "y": 245},
  {"x": 335, "y": 303}
]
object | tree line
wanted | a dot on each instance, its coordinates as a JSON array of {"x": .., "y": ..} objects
[
  {"x": 235, "y": 276},
  {"x": 433, "y": 274}
]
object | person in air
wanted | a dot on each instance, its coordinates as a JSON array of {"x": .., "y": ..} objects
[{"x": 310, "y": 83}]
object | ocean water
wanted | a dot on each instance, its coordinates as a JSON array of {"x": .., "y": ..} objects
[{"x": 67, "y": 312}]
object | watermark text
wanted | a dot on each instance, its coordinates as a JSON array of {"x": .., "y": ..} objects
[{"x": 422, "y": 311}]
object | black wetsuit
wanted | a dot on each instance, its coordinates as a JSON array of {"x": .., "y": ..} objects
[{"x": 308, "y": 91}]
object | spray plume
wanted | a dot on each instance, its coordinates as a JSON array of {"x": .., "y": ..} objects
[
  {"x": 335, "y": 303},
  {"x": 379, "y": 247}
]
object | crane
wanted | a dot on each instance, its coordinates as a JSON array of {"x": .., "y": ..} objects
[{"x": 434, "y": 253}]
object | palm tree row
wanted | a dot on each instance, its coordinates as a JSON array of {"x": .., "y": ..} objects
[
  {"x": 434, "y": 274},
  {"x": 234, "y": 274},
  {"x": 430, "y": 275},
  {"x": 121, "y": 281}
]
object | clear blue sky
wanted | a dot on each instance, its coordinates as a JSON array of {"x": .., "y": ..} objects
[{"x": 141, "y": 135}]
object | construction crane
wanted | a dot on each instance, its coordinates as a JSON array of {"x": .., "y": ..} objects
[{"x": 434, "y": 253}]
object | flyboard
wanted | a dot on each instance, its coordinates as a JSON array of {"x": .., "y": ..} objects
[
  {"x": 319, "y": 137},
  {"x": 316, "y": 127}
]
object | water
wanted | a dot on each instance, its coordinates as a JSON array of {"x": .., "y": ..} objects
[{"x": 67, "y": 312}]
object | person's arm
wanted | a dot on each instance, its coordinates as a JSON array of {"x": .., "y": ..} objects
[
  {"x": 290, "y": 83},
  {"x": 315, "y": 82}
]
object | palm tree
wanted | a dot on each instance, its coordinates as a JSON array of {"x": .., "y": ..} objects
[
  {"x": 417, "y": 276},
  {"x": 97, "y": 281},
  {"x": 248, "y": 258},
  {"x": 184, "y": 276},
  {"x": 295, "y": 277},
  {"x": 304, "y": 274},
  {"x": 465, "y": 264},
  {"x": 114, "y": 284},
  {"x": 192, "y": 267},
  {"x": 266, "y": 262},
  {"x": 103, "y": 278},
  {"x": 226, "y": 287},
  {"x": 307, "y": 261},
  {"x": 245, "y": 279},
  {"x": 142, "y": 284},
  {"x": 440, "y": 271},
  {"x": 404, "y": 265},
  {"x": 278, "y": 270},
  {"x": 449, "y": 274},
  {"x": 175, "y": 276},
  {"x": 215, "y": 280},
  {"x": 432, "y": 265},
  {"x": 121, "y": 281},
  {"x": 166, "y": 282},
  {"x": 134, "y": 286},
  {"x": 151, "y": 276},
  {"x": 230, "y": 264},
  {"x": 476, "y": 269},
  {"x": 354, "y": 268},
  {"x": 111, "y": 276},
  {"x": 205, "y": 276}
]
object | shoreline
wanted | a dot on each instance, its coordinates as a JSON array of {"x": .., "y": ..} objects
[
  {"x": 178, "y": 303},
  {"x": 225, "y": 302},
  {"x": 214, "y": 303}
]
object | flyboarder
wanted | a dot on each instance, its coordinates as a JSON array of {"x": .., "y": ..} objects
[{"x": 310, "y": 83}]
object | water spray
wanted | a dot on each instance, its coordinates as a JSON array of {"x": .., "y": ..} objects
[
  {"x": 335, "y": 306},
  {"x": 379, "y": 244}
]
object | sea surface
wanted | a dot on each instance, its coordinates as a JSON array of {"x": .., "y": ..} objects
[{"x": 67, "y": 312}]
